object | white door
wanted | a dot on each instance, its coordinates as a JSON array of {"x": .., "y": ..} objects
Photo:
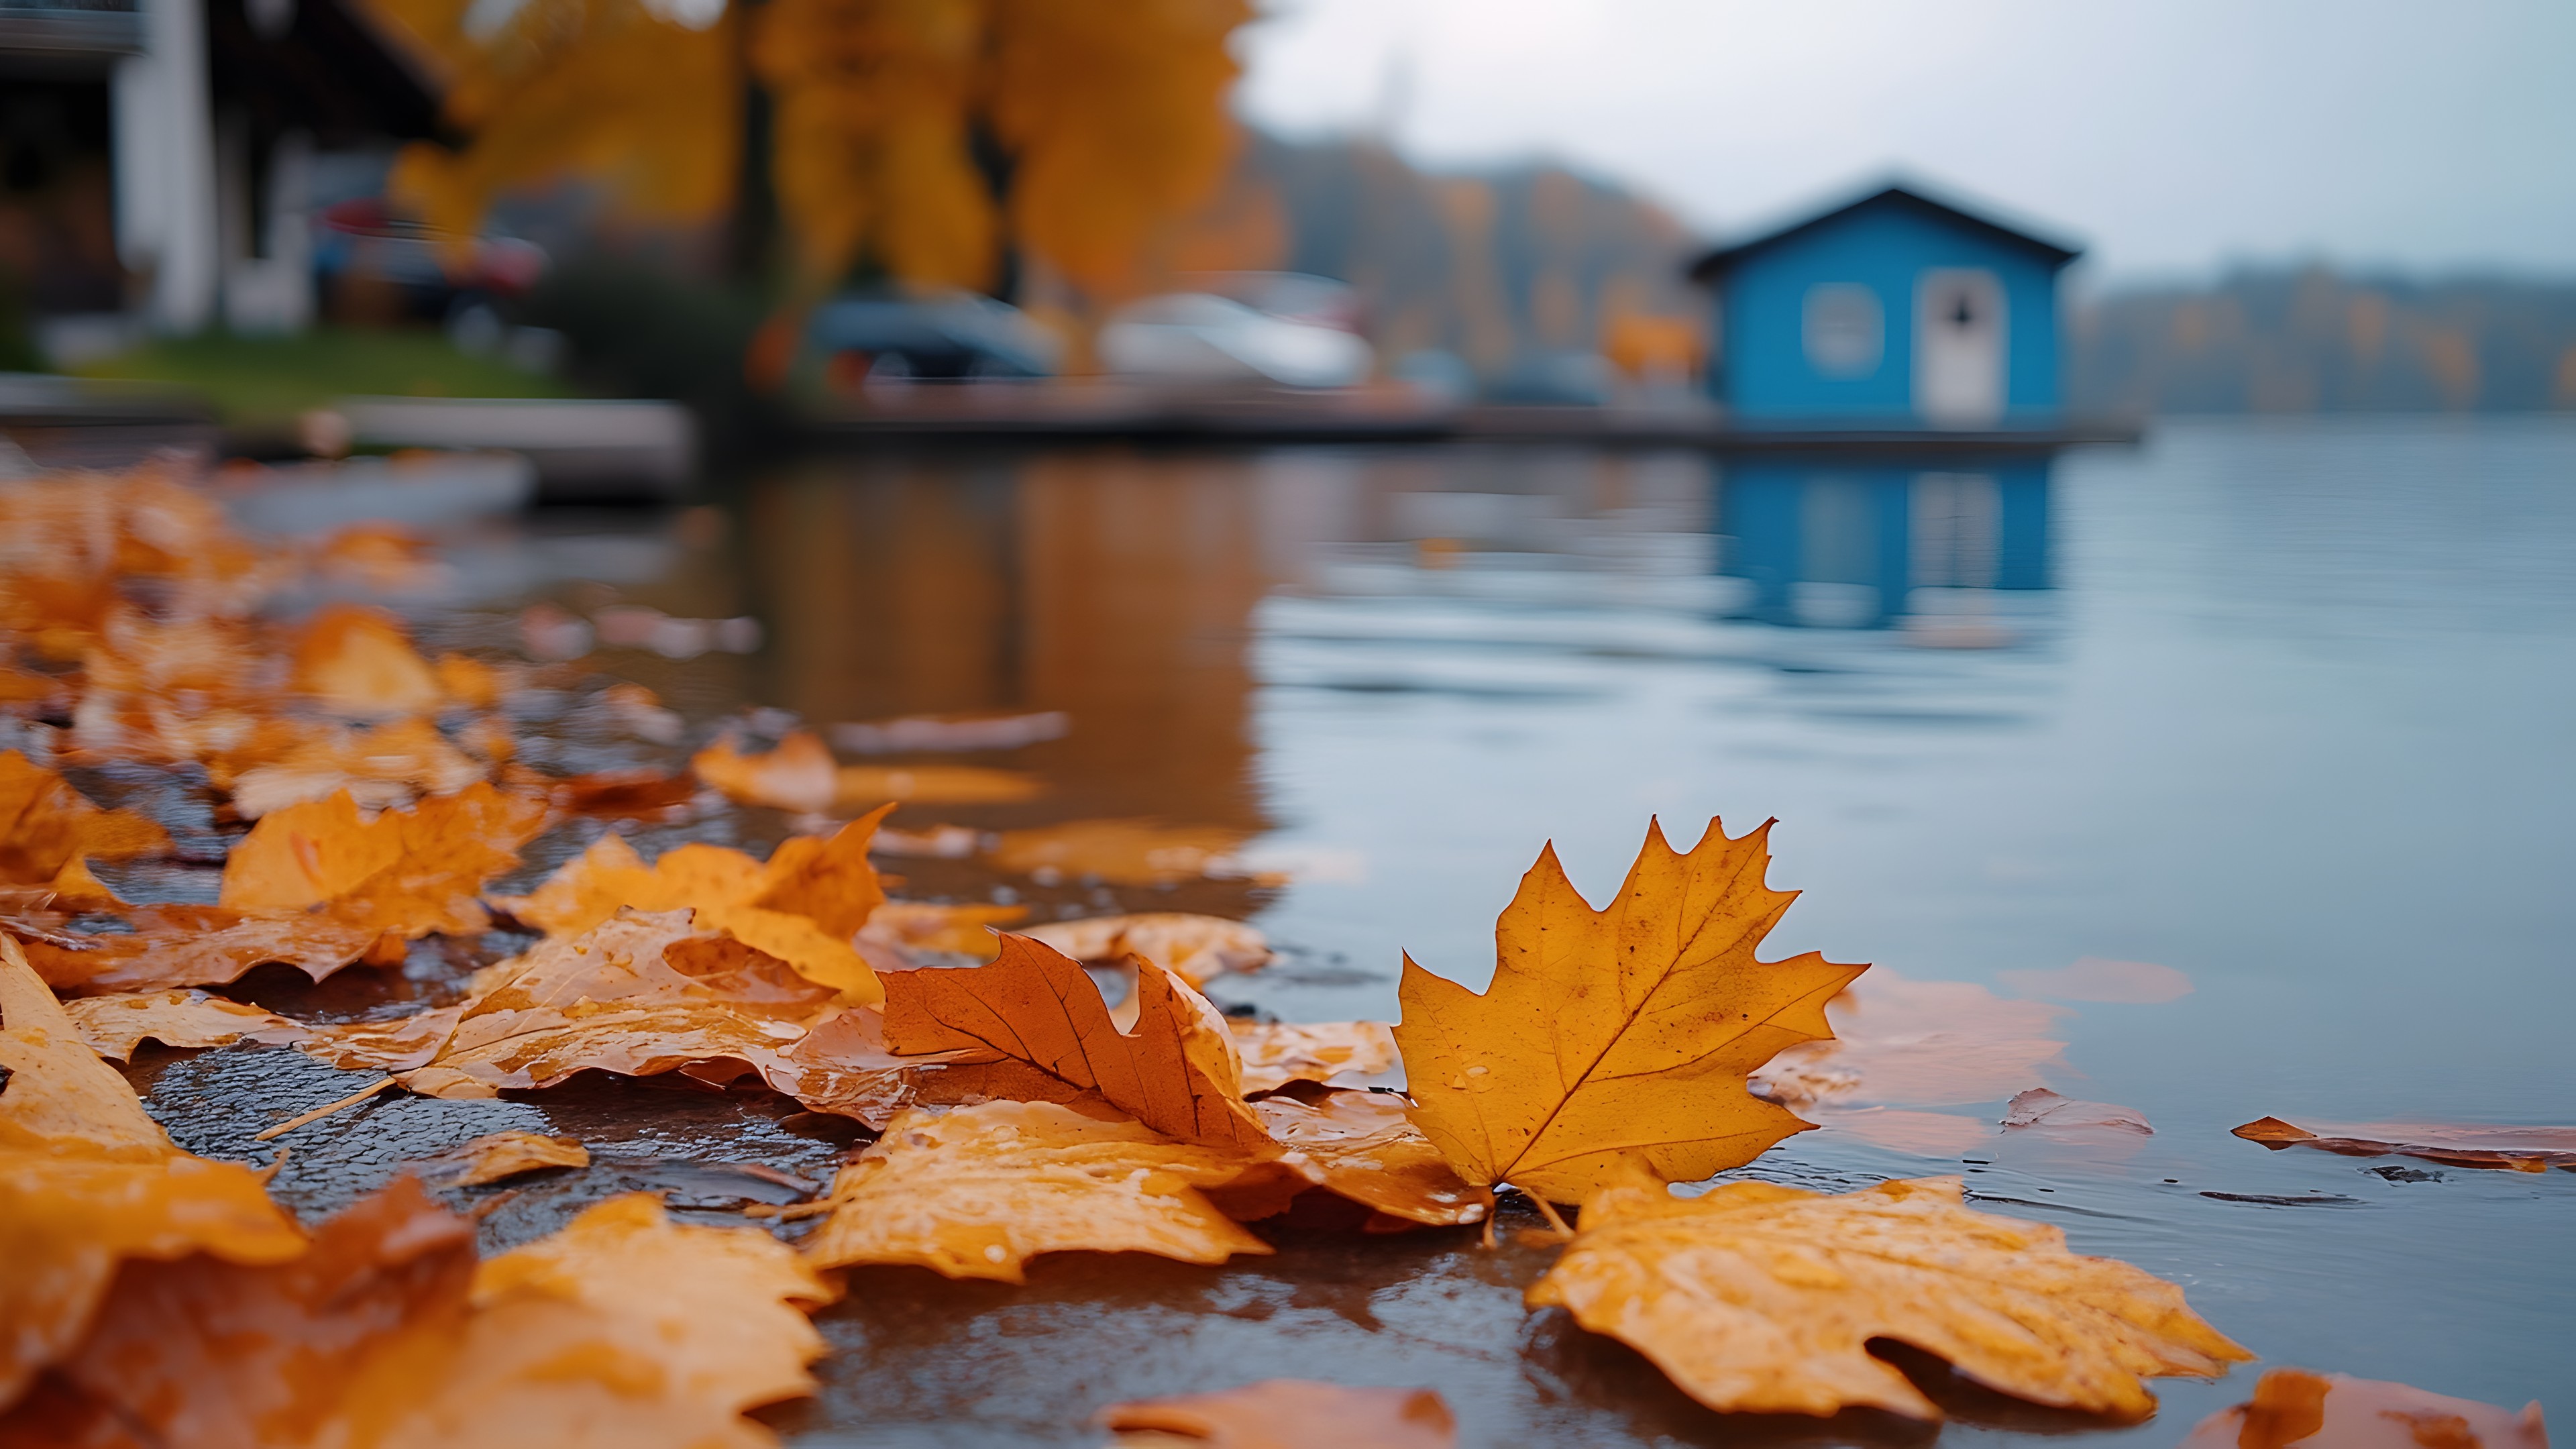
[{"x": 1958, "y": 347}]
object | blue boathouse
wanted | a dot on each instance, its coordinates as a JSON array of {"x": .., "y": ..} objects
[{"x": 1895, "y": 311}]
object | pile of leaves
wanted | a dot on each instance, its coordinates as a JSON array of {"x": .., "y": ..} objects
[{"x": 362, "y": 796}]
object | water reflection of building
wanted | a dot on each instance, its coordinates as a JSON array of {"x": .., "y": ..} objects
[{"x": 1857, "y": 542}]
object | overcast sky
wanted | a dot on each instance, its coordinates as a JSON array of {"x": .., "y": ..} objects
[{"x": 2169, "y": 137}]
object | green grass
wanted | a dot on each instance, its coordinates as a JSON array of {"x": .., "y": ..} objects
[{"x": 266, "y": 381}]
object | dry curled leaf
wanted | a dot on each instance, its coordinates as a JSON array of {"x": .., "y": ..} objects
[
  {"x": 1195, "y": 947},
  {"x": 1290, "y": 1414},
  {"x": 1617, "y": 1040},
  {"x": 977, "y": 1191},
  {"x": 497, "y": 1155},
  {"x": 636, "y": 995},
  {"x": 2044, "y": 1109},
  {"x": 801, "y": 906},
  {"x": 1759, "y": 1298},
  {"x": 2332, "y": 1411},
  {"x": 406, "y": 872},
  {"x": 2515, "y": 1149},
  {"x": 623, "y": 1329},
  {"x": 88, "y": 1180},
  {"x": 1277, "y": 1053},
  {"x": 115, "y": 1025},
  {"x": 800, "y": 776},
  {"x": 46, "y": 826},
  {"x": 1178, "y": 1073},
  {"x": 1901, "y": 1042},
  {"x": 179, "y": 945}
]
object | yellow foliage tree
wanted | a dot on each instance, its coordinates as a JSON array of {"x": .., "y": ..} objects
[{"x": 1098, "y": 123}]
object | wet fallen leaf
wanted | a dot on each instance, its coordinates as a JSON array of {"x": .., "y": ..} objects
[
  {"x": 637, "y": 995},
  {"x": 843, "y": 1065},
  {"x": 1290, "y": 1414},
  {"x": 359, "y": 662},
  {"x": 1194, "y": 947},
  {"x": 801, "y": 776},
  {"x": 801, "y": 906},
  {"x": 976, "y": 1192},
  {"x": 115, "y": 1025},
  {"x": 2095, "y": 978},
  {"x": 1178, "y": 1073},
  {"x": 623, "y": 1329},
  {"x": 88, "y": 1180},
  {"x": 2042, "y": 1108},
  {"x": 45, "y": 825},
  {"x": 951, "y": 732},
  {"x": 1277, "y": 1053},
  {"x": 497, "y": 1155},
  {"x": 385, "y": 767},
  {"x": 1363, "y": 1146},
  {"x": 2331, "y": 1411},
  {"x": 1903, "y": 1042},
  {"x": 2515, "y": 1149},
  {"x": 408, "y": 872},
  {"x": 908, "y": 926},
  {"x": 1760, "y": 1298},
  {"x": 1124, "y": 852},
  {"x": 179, "y": 945},
  {"x": 1617, "y": 1040}
]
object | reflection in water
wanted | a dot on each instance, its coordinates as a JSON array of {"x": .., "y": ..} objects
[{"x": 1849, "y": 545}]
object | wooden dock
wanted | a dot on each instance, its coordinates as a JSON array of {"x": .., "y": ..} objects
[{"x": 988, "y": 413}]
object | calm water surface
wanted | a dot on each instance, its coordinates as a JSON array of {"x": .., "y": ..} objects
[{"x": 2284, "y": 708}]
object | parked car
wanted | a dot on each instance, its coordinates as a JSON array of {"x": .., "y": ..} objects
[
  {"x": 1202, "y": 336},
  {"x": 947, "y": 336}
]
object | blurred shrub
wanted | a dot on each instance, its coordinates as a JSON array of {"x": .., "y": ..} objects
[{"x": 634, "y": 330}]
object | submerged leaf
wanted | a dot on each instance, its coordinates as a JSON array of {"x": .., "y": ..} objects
[
  {"x": 1902, "y": 1042},
  {"x": 1617, "y": 1040},
  {"x": 800, "y": 776},
  {"x": 1178, "y": 1073},
  {"x": 1763, "y": 1299},
  {"x": 2515, "y": 1149},
  {"x": 1124, "y": 852},
  {"x": 2331, "y": 1411},
  {"x": 1291, "y": 1414},
  {"x": 2044, "y": 1109},
  {"x": 978, "y": 1191}
]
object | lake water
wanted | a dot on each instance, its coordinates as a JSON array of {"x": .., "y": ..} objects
[{"x": 2285, "y": 708}]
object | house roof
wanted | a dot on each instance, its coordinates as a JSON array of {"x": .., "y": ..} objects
[{"x": 1710, "y": 266}]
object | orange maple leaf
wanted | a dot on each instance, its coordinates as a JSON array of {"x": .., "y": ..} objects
[
  {"x": 1617, "y": 1041},
  {"x": 406, "y": 872}
]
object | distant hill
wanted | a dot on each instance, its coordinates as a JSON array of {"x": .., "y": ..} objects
[
  {"x": 2311, "y": 340},
  {"x": 1490, "y": 265}
]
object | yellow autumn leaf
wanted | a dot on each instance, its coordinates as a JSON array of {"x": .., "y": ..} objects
[
  {"x": 1617, "y": 1041},
  {"x": 1758, "y": 1298}
]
